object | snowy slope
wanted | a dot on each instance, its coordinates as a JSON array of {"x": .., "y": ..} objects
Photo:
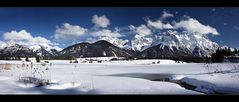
[
  {"x": 13, "y": 49},
  {"x": 16, "y": 50},
  {"x": 2, "y": 45},
  {"x": 115, "y": 41},
  {"x": 139, "y": 43},
  {"x": 186, "y": 40},
  {"x": 6, "y": 44},
  {"x": 41, "y": 50},
  {"x": 197, "y": 44}
]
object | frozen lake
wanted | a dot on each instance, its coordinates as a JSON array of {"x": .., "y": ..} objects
[{"x": 119, "y": 77}]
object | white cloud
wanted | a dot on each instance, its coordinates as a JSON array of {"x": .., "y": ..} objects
[
  {"x": 166, "y": 15},
  {"x": 224, "y": 23},
  {"x": 142, "y": 30},
  {"x": 213, "y": 10},
  {"x": 101, "y": 21},
  {"x": 194, "y": 26},
  {"x": 159, "y": 25},
  {"x": 68, "y": 31},
  {"x": 25, "y": 38},
  {"x": 186, "y": 16},
  {"x": 17, "y": 36},
  {"x": 235, "y": 27},
  {"x": 105, "y": 33},
  {"x": 39, "y": 40}
]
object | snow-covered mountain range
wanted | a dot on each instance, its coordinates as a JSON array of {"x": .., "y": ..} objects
[
  {"x": 11, "y": 49},
  {"x": 167, "y": 44},
  {"x": 170, "y": 41},
  {"x": 192, "y": 44}
]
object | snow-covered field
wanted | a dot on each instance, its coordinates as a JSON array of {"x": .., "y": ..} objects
[{"x": 118, "y": 77}]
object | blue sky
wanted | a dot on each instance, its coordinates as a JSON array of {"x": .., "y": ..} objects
[{"x": 45, "y": 21}]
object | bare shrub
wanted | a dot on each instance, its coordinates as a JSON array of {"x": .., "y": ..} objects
[
  {"x": 5, "y": 66},
  {"x": 37, "y": 74},
  {"x": 43, "y": 64}
]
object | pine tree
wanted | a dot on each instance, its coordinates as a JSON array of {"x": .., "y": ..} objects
[
  {"x": 225, "y": 51},
  {"x": 219, "y": 55},
  {"x": 27, "y": 59},
  {"x": 229, "y": 52},
  {"x": 38, "y": 59},
  {"x": 207, "y": 59},
  {"x": 234, "y": 52}
]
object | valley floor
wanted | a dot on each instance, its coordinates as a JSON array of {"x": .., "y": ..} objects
[{"x": 119, "y": 77}]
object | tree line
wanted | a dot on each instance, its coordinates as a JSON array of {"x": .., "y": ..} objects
[{"x": 220, "y": 54}]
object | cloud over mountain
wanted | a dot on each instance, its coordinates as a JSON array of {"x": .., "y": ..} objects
[
  {"x": 166, "y": 15},
  {"x": 68, "y": 31},
  {"x": 159, "y": 24},
  {"x": 105, "y": 33},
  {"x": 25, "y": 38},
  {"x": 17, "y": 36},
  {"x": 194, "y": 26},
  {"x": 137, "y": 37},
  {"x": 101, "y": 21},
  {"x": 141, "y": 30}
]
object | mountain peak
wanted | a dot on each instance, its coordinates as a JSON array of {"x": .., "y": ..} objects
[
  {"x": 104, "y": 42},
  {"x": 100, "y": 48}
]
